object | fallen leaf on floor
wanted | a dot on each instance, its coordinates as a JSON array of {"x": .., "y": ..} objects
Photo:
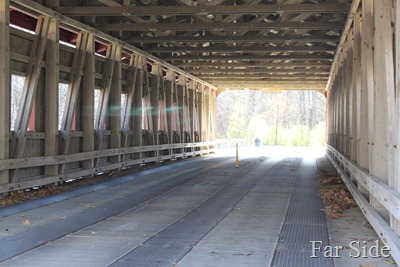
[{"x": 26, "y": 222}]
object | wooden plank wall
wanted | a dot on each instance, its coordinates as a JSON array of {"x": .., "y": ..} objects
[
  {"x": 364, "y": 113},
  {"x": 88, "y": 142}
]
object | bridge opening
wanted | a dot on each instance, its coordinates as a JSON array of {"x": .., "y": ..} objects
[{"x": 285, "y": 118}]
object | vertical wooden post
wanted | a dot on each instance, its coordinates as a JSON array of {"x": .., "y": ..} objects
[
  {"x": 207, "y": 118},
  {"x": 127, "y": 117},
  {"x": 30, "y": 88},
  {"x": 182, "y": 101},
  {"x": 169, "y": 102},
  {"x": 74, "y": 86},
  {"x": 349, "y": 90},
  {"x": 396, "y": 181},
  {"x": 367, "y": 81},
  {"x": 137, "y": 104},
  {"x": 377, "y": 110},
  {"x": 200, "y": 110},
  {"x": 385, "y": 85},
  {"x": 88, "y": 89},
  {"x": 51, "y": 94},
  {"x": 114, "y": 113},
  {"x": 113, "y": 52},
  {"x": 341, "y": 110},
  {"x": 155, "y": 100},
  {"x": 356, "y": 90},
  {"x": 192, "y": 110},
  {"x": 5, "y": 83}
]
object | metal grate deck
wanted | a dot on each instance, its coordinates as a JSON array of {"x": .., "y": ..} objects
[{"x": 305, "y": 222}]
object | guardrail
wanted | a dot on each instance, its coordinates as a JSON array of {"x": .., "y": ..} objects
[
  {"x": 20, "y": 163},
  {"x": 387, "y": 196}
]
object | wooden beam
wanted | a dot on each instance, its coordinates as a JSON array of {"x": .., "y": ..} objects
[
  {"x": 87, "y": 93},
  {"x": 126, "y": 120},
  {"x": 112, "y": 55},
  {"x": 114, "y": 107},
  {"x": 356, "y": 90},
  {"x": 51, "y": 94},
  {"x": 287, "y": 39},
  {"x": 387, "y": 235},
  {"x": 219, "y": 26},
  {"x": 71, "y": 23},
  {"x": 5, "y": 86},
  {"x": 239, "y": 50},
  {"x": 257, "y": 64},
  {"x": 350, "y": 17},
  {"x": 202, "y": 10},
  {"x": 384, "y": 31},
  {"x": 156, "y": 96},
  {"x": 271, "y": 85},
  {"x": 30, "y": 88},
  {"x": 137, "y": 118},
  {"x": 274, "y": 76},
  {"x": 74, "y": 86},
  {"x": 313, "y": 57},
  {"x": 315, "y": 72}
]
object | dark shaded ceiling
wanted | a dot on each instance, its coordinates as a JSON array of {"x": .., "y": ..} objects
[{"x": 275, "y": 44}]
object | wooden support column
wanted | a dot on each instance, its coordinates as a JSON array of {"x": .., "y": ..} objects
[
  {"x": 341, "y": 118},
  {"x": 396, "y": 182},
  {"x": 193, "y": 112},
  {"x": 87, "y": 93},
  {"x": 378, "y": 108},
  {"x": 349, "y": 91},
  {"x": 5, "y": 83},
  {"x": 114, "y": 113},
  {"x": 213, "y": 115},
  {"x": 51, "y": 95},
  {"x": 113, "y": 52},
  {"x": 174, "y": 97},
  {"x": 356, "y": 90},
  {"x": 200, "y": 110},
  {"x": 155, "y": 92},
  {"x": 30, "y": 88},
  {"x": 182, "y": 104},
  {"x": 170, "y": 99},
  {"x": 207, "y": 118},
  {"x": 74, "y": 85},
  {"x": 137, "y": 118},
  {"x": 367, "y": 81},
  {"x": 127, "y": 116},
  {"x": 385, "y": 85}
]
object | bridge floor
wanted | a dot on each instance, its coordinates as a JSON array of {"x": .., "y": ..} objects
[{"x": 198, "y": 212}]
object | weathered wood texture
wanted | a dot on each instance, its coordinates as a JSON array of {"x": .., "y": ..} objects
[
  {"x": 89, "y": 140},
  {"x": 364, "y": 114},
  {"x": 4, "y": 86}
]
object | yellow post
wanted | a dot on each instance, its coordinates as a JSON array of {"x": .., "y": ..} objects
[{"x": 237, "y": 155}]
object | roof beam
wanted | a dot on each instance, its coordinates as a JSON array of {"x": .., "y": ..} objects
[
  {"x": 219, "y": 26},
  {"x": 235, "y": 39},
  {"x": 247, "y": 58},
  {"x": 201, "y": 10},
  {"x": 190, "y": 65},
  {"x": 249, "y": 50},
  {"x": 252, "y": 71},
  {"x": 274, "y": 77},
  {"x": 270, "y": 84}
]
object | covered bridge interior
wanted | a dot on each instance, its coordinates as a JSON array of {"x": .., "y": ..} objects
[{"x": 141, "y": 78}]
